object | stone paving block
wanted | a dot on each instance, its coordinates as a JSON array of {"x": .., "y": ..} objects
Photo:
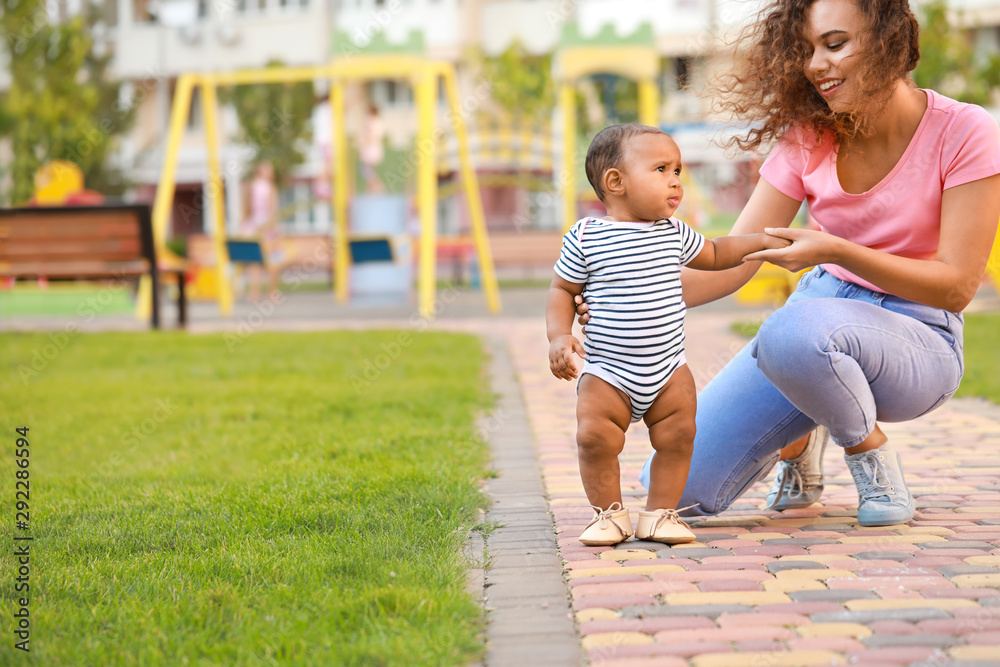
[
  {"x": 607, "y": 579},
  {"x": 748, "y": 598},
  {"x": 981, "y": 652},
  {"x": 647, "y": 661},
  {"x": 958, "y": 544},
  {"x": 814, "y": 574},
  {"x": 595, "y": 614},
  {"x": 836, "y": 527},
  {"x": 647, "y": 625},
  {"x": 612, "y": 601},
  {"x": 718, "y": 585},
  {"x": 805, "y": 608},
  {"x": 879, "y": 640},
  {"x": 728, "y": 634},
  {"x": 682, "y": 649},
  {"x": 988, "y": 638},
  {"x": 708, "y": 610},
  {"x": 694, "y": 552},
  {"x": 836, "y": 644},
  {"x": 892, "y": 627},
  {"x": 771, "y": 551},
  {"x": 595, "y": 563},
  {"x": 758, "y": 645},
  {"x": 769, "y": 658},
  {"x": 870, "y": 615},
  {"x": 532, "y": 652},
  {"x": 781, "y": 565},
  {"x": 793, "y": 585},
  {"x": 744, "y": 620},
  {"x": 834, "y": 629},
  {"x": 909, "y": 603},
  {"x": 645, "y": 587},
  {"x": 977, "y": 580},
  {"x": 615, "y": 639},
  {"x": 895, "y": 655},
  {"x": 797, "y": 542},
  {"x": 627, "y": 554},
  {"x": 965, "y": 568},
  {"x": 615, "y": 569},
  {"x": 911, "y": 583},
  {"x": 883, "y": 555},
  {"x": 710, "y": 574}
]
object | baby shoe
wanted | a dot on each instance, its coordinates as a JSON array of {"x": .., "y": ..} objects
[
  {"x": 609, "y": 526},
  {"x": 663, "y": 526}
]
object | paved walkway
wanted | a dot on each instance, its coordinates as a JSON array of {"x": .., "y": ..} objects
[{"x": 806, "y": 587}]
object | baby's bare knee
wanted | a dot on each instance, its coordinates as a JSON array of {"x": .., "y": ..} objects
[
  {"x": 599, "y": 437},
  {"x": 673, "y": 437}
]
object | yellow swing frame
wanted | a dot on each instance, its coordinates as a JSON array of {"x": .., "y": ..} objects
[{"x": 424, "y": 75}]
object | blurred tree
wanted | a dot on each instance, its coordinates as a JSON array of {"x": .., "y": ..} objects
[
  {"x": 522, "y": 83},
  {"x": 275, "y": 120},
  {"x": 61, "y": 105},
  {"x": 948, "y": 63}
]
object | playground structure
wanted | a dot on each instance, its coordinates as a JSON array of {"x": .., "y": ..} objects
[
  {"x": 424, "y": 76},
  {"x": 633, "y": 56}
]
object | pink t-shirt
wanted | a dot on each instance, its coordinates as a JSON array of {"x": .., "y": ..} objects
[{"x": 954, "y": 144}]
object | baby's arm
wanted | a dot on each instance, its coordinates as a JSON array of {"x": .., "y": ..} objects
[
  {"x": 726, "y": 252},
  {"x": 559, "y": 312}
]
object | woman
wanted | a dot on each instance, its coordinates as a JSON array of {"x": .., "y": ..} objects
[{"x": 905, "y": 184}]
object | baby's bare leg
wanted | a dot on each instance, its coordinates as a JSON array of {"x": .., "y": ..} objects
[
  {"x": 603, "y": 414},
  {"x": 671, "y": 432}
]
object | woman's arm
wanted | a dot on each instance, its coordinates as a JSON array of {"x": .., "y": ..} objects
[
  {"x": 767, "y": 208},
  {"x": 969, "y": 216}
]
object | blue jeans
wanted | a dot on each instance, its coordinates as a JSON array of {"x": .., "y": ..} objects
[{"x": 835, "y": 354}]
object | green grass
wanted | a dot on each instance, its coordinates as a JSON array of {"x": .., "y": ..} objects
[
  {"x": 982, "y": 362},
  {"x": 193, "y": 504},
  {"x": 83, "y": 299}
]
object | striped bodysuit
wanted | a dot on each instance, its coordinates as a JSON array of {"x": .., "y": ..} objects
[{"x": 635, "y": 336}]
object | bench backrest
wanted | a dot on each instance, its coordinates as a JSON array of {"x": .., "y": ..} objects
[{"x": 76, "y": 241}]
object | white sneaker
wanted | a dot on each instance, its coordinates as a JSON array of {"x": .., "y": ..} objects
[{"x": 799, "y": 482}]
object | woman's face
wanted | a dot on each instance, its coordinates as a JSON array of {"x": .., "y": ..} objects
[{"x": 833, "y": 33}]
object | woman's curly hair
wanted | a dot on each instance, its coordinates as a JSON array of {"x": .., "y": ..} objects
[{"x": 769, "y": 87}]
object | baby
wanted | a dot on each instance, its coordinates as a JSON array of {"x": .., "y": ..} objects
[{"x": 627, "y": 267}]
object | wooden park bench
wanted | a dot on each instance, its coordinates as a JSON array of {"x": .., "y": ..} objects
[{"x": 85, "y": 242}]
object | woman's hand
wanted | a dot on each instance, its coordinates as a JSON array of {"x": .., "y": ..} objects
[
  {"x": 581, "y": 311},
  {"x": 808, "y": 248}
]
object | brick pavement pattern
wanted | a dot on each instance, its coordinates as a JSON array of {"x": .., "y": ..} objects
[{"x": 802, "y": 587}]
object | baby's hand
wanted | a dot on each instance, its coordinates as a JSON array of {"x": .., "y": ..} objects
[
  {"x": 775, "y": 242},
  {"x": 561, "y": 360}
]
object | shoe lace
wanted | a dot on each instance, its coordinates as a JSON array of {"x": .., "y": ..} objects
[
  {"x": 604, "y": 518},
  {"x": 672, "y": 516},
  {"x": 875, "y": 482},
  {"x": 789, "y": 482}
]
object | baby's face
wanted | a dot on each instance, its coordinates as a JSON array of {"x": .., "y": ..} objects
[{"x": 652, "y": 177}]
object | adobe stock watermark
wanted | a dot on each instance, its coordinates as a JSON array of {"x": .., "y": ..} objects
[{"x": 373, "y": 367}]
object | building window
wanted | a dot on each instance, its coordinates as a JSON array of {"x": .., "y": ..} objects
[
  {"x": 390, "y": 93},
  {"x": 682, "y": 70}
]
